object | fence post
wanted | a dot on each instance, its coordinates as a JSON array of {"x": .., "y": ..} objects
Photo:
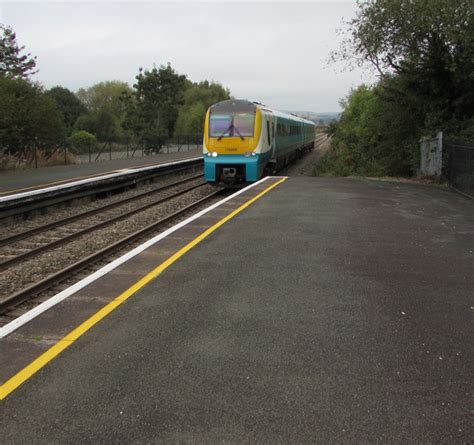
[
  {"x": 36, "y": 157},
  {"x": 439, "y": 137},
  {"x": 65, "y": 155},
  {"x": 90, "y": 154},
  {"x": 470, "y": 164},
  {"x": 431, "y": 155}
]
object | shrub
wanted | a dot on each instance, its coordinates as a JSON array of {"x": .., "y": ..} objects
[{"x": 82, "y": 141}]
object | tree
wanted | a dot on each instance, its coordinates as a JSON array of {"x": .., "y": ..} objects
[
  {"x": 198, "y": 97},
  {"x": 103, "y": 124},
  {"x": 105, "y": 96},
  {"x": 12, "y": 63},
  {"x": 69, "y": 105},
  {"x": 158, "y": 95},
  {"x": 375, "y": 135},
  {"x": 428, "y": 42},
  {"x": 423, "y": 53},
  {"x": 106, "y": 107},
  {"x": 29, "y": 118}
]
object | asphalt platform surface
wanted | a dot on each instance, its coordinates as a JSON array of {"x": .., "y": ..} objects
[
  {"x": 12, "y": 180},
  {"x": 330, "y": 311}
]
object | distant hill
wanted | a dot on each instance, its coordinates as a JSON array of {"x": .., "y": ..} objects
[{"x": 322, "y": 118}]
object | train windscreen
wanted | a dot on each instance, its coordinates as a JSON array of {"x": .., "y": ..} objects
[{"x": 231, "y": 125}]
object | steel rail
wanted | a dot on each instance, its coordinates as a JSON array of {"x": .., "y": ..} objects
[
  {"x": 98, "y": 185},
  {"x": 64, "y": 221},
  {"x": 57, "y": 277},
  {"x": 68, "y": 238}
]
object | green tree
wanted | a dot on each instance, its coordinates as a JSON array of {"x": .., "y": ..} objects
[
  {"x": 107, "y": 110},
  {"x": 376, "y": 135},
  {"x": 198, "y": 97},
  {"x": 13, "y": 64},
  {"x": 69, "y": 105},
  {"x": 103, "y": 124},
  {"x": 159, "y": 94},
  {"x": 82, "y": 141},
  {"x": 430, "y": 43},
  {"x": 423, "y": 53},
  {"x": 105, "y": 96},
  {"x": 29, "y": 118}
]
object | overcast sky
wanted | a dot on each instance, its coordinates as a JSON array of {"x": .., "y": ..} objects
[{"x": 271, "y": 52}]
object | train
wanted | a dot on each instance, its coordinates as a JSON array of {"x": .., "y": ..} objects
[{"x": 245, "y": 140}]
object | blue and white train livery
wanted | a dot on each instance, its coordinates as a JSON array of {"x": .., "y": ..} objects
[{"x": 243, "y": 140}]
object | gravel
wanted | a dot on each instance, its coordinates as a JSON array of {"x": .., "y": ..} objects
[
  {"x": 46, "y": 237},
  {"x": 13, "y": 226},
  {"x": 305, "y": 165},
  {"x": 28, "y": 272}
]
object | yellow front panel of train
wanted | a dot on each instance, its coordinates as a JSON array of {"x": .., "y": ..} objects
[{"x": 236, "y": 144}]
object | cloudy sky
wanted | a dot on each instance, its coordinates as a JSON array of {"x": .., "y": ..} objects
[{"x": 272, "y": 52}]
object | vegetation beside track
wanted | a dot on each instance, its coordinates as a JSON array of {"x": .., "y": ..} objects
[
  {"x": 37, "y": 124},
  {"x": 424, "y": 66}
]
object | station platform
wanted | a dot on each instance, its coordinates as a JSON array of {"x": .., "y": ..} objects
[
  {"x": 17, "y": 181},
  {"x": 305, "y": 310}
]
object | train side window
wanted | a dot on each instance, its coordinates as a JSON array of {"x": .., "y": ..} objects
[{"x": 268, "y": 133}]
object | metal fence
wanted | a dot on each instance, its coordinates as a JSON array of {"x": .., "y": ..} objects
[
  {"x": 64, "y": 154},
  {"x": 458, "y": 166},
  {"x": 176, "y": 144},
  {"x": 450, "y": 160}
]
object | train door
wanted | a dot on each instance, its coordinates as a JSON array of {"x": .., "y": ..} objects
[{"x": 271, "y": 128}]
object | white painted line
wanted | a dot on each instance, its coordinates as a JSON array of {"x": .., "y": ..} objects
[
  {"x": 53, "y": 301},
  {"x": 123, "y": 172}
]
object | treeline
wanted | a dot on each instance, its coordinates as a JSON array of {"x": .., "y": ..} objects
[
  {"x": 423, "y": 53},
  {"x": 161, "y": 104}
]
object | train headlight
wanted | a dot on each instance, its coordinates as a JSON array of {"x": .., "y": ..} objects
[
  {"x": 247, "y": 154},
  {"x": 214, "y": 154},
  {"x": 209, "y": 154}
]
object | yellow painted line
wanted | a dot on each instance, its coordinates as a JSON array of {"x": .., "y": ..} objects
[{"x": 21, "y": 377}]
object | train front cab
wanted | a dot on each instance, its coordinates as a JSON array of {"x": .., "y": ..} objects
[
  {"x": 232, "y": 143},
  {"x": 233, "y": 169}
]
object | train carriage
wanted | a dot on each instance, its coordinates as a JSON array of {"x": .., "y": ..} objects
[{"x": 244, "y": 139}]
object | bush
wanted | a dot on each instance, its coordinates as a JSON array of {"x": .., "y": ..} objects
[
  {"x": 82, "y": 141},
  {"x": 153, "y": 140}
]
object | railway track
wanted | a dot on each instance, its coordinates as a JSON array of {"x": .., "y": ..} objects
[
  {"x": 39, "y": 201},
  {"x": 14, "y": 248},
  {"x": 56, "y": 247},
  {"x": 128, "y": 220},
  {"x": 320, "y": 139}
]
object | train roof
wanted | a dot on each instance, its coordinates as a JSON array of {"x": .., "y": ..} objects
[
  {"x": 289, "y": 116},
  {"x": 246, "y": 106},
  {"x": 234, "y": 105}
]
